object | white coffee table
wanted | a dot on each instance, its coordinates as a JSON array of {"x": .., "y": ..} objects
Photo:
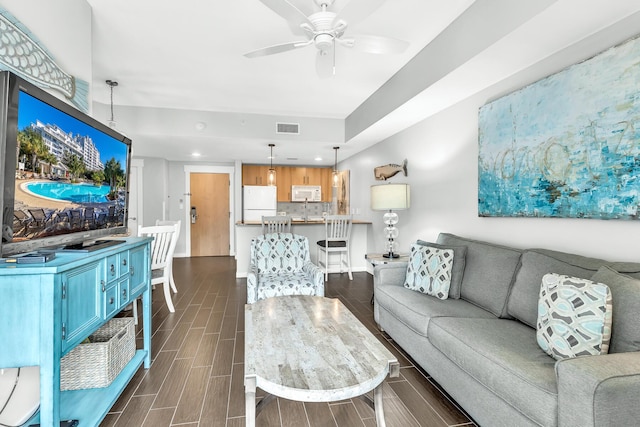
[{"x": 311, "y": 349}]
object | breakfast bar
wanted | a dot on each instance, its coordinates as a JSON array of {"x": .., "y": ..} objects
[{"x": 314, "y": 230}]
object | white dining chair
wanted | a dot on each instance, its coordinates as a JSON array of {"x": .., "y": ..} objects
[
  {"x": 175, "y": 241},
  {"x": 162, "y": 248},
  {"x": 276, "y": 224},
  {"x": 337, "y": 234}
]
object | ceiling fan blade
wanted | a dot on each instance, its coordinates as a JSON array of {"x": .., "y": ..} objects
[
  {"x": 374, "y": 44},
  {"x": 356, "y": 10},
  {"x": 305, "y": 6},
  {"x": 325, "y": 63},
  {"x": 288, "y": 11},
  {"x": 278, "y": 48}
]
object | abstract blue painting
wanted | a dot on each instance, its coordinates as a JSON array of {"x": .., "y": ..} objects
[{"x": 567, "y": 145}]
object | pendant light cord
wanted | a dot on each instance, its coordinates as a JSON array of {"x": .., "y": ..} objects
[{"x": 112, "y": 84}]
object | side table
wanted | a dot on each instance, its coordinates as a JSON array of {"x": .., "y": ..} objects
[{"x": 378, "y": 259}]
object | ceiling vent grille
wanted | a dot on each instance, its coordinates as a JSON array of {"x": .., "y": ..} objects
[{"x": 289, "y": 128}]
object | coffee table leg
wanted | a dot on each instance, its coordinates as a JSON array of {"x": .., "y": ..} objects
[
  {"x": 250, "y": 401},
  {"x": 379, "y": 408}
]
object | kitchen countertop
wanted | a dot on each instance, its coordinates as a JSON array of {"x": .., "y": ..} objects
[{"x": 314, "y": 231}]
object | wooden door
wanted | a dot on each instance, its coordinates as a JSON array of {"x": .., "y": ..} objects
[{"x": 210, "y": 197}]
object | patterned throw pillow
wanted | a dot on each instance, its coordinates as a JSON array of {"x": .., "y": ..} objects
[
  {"x": 574, "y": 317},
  {"x": 429, "y": 270}
]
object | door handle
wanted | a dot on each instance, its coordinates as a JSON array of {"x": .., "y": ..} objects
[{"x": 194, "y": 215}]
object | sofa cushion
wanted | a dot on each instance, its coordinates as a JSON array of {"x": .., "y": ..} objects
[
  {"x": 574, "y": 317},
  {"x": 429, "y": 270},
  {"x": 523, "y": 299},
  {"x": 625, "y": 331},
  {"x": 488, "y": 274},
  {"x": 415, "y": 310},
  {"x": 503, "y": 356},
  {"x": 457, "y": 269},
  {"x": 285, "y": 283}
]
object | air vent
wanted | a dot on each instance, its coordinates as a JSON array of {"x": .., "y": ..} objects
[{"x": 290, "y": 128}]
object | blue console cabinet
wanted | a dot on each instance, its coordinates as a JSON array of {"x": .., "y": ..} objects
[{"x": 48, "y": 309}]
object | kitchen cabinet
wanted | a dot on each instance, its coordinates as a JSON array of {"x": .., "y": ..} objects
[
  {"x": 283, "y": 182},
  {"x": 255, "y": 175},
  {"x": 49, "y": 308},
  {"x": 286, "y": 176},
  {"x": 327, "y": 184},
  {"x": 306, "y": 176}
]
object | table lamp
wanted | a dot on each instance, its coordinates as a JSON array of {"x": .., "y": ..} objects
[{"x": 390, "y": 197}]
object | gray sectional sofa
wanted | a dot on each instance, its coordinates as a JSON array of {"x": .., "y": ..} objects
[{"x": 480, "y": 343}]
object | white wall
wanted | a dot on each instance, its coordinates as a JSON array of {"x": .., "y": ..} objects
[
  {"x": 442, "y": 153},
  {"x": 64, "y": 30},
  {"x": 165, "y": 193}
]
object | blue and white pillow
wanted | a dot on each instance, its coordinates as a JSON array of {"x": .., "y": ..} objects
[
  {"x": 574, "y": 317},
  {"x": 429, "y": 270}
]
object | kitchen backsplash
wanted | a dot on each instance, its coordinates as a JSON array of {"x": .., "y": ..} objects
[{"x": 297, "y": 209}]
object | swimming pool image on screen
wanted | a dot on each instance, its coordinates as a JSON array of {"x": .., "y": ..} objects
[{"x": 76, "y": 193}]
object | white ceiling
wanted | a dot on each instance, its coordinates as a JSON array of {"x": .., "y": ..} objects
[{"x": 180, "y": 67}]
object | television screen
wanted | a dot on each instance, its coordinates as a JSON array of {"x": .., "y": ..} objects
[{"x": 65, "y": 173}]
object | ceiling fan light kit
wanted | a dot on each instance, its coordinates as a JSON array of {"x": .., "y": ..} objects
[{"x": 326, "y": 27}]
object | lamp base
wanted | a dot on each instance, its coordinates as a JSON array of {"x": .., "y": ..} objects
[{"x": 390, "y": 255}]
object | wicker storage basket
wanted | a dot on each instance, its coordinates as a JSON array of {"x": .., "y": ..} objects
[{"x": 96, "y": 364}]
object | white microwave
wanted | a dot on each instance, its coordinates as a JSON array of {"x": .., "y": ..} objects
[{"x": 310, "y": 193}]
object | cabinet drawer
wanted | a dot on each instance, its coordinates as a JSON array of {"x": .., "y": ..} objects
[
  {"x": 123, "y": 291},
  {"x": 111, "y": 301},
  {"x": 113, "y": 267},
  {"x": 123, "y": 262}
]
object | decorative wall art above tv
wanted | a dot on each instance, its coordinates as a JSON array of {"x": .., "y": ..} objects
[{"x": 566, "y": 146}]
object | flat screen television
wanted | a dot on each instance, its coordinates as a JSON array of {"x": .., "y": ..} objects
[{"x": 64, "y": 174}]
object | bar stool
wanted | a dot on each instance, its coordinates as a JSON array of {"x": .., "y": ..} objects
[{"x": 337, "y": 234}]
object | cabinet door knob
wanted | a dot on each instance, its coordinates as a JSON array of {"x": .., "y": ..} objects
[
  {"x": 112, "y": 269},
  {"x": 131, "y": 270},
  {"x": 111, "y": 301},
  {"x": 124, "y": 293},
  {"x": 103, "y": 286},
  {"x": 124, "y": 261}
]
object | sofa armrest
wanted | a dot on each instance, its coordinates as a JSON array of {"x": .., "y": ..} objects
[
  {"x": 317, "y": 277},
  {"x": 252, "y": 284},
  {"x": 599, "y": 390},
  {"x": 389, "y": 274}
]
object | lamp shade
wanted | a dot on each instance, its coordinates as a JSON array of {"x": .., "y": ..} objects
[{"x": 386, "y": 197}]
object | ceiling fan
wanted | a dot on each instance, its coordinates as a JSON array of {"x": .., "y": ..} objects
[{"x": 324, "y": 27}]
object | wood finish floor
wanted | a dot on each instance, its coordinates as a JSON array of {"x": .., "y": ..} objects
[{"x": 196, "y": 378}]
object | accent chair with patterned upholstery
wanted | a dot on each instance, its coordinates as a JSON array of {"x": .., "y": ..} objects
[{"x": 280, "y": 264}]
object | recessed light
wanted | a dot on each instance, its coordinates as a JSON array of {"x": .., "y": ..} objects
[
  {"x": 318, "y": 159},
  {"x": 195, "y": 154},
  {"x": 200, "y": 126}
]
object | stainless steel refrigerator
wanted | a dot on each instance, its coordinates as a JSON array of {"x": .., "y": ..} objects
[{"x": 259, "y": 200}]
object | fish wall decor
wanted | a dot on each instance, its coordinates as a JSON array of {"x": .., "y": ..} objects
[
  {"x": 23, "y": 54},
  {"x": 382, "y": 173}
]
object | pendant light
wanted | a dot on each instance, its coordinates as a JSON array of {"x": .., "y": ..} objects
[
  {"x": 334, "y": 174},
  {"x": 271, "y": 176},
  {"x": 112, "y": 84}
]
